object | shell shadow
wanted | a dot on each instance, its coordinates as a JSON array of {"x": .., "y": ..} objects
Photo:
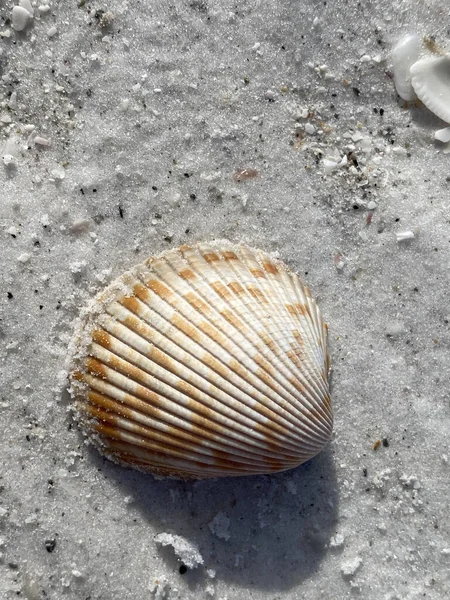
[
  {"x": 278, "y": 527},
  {"x": 425, "y": 119}
]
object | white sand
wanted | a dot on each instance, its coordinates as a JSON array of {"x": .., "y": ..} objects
[{"x": 122, "y": 126}]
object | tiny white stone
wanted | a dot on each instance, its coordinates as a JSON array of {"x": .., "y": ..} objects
[
  {"x": 24, "y": 258},
  {"x": 350, "y": 567},
  {"x": 44, "y": 8},
  {"x": 9, "y": 160},
  {"x": 372, "y": 205},
  {"x": 393, "y": 328},
  {"x": 58, "y": 173},
  {"x": 337, "y": 541},
  {"x": 20, "y": 18},
  {"x": 45, "y": 220},
  {"x": 52, "y": 31},
  {"x": 12, "y": 102},
  {"x": 357, "y": 136},
  {"x": 310, "y": 129},
  {"x": 41, "y": 141},
  {"x": 402, "y": 236},
  {"x": 445, "y": 551},
  {"x": 77, "y": 574},
  {"x": 442, "y": 135},
  {"x": 365, "y": 58}
]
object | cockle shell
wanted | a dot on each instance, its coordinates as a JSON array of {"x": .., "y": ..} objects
[
  {"x": 403, "y": 55},
  {"x": 206, "y": 361},
  {"x": 430, "y": 78}
]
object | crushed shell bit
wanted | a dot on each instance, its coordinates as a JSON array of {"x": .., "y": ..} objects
[{"x": 206, "y": 361}]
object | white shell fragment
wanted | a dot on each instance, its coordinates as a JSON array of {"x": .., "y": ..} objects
[
  {"x": 186, "y": 551},
  {"x": 208, "y": 360},
  {"x": 430, "y": 78},
  {"x": 403, "y": 236},
  {"x": 442, "y": 135},
  {"x": 404, "y": 54}
]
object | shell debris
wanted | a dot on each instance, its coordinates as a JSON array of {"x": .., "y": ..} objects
[{"x": 208, "y": 360}]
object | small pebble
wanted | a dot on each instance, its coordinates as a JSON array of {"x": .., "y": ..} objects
[
  {"x": 310, "y": 129},
  {"x": 20, "y": 18},
  {"x": 24, "y": 258},
  {"x": 337, "y": 541},
  {"x": 349, "y": 568},
  {"x": 58, "y": 174},
  {"x": 52, "y": 31}
]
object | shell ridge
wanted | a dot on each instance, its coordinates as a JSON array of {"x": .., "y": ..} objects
[
  {"x": 114, "y": 390},
  {"x": 160, "y": 436},
  {"x": 178, "y": 467},
  {"x": 112, "y": 330},
  {"x": 319, "y": 368},
  {"x": 312, "y": 405},
  {"x": 275, "y": 386},
  {"x": 322, "y": 359},
  {"x": 290, "y": 288},
  {"x": 304, "y": 375},
  {"x": 286, "y": 384},
  {"x": 173, "y": 426},
  {"x": 239, "y": 389},
  {"x": 164, "y": 387}
]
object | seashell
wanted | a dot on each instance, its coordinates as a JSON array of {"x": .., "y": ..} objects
[
  {"x": 404, "y": 54},
  {"x": 205, "y": 361},
  {"x": 430, "y": 78}
]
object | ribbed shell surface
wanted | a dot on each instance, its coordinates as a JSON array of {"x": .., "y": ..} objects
[{"x": 206, "y": 361}]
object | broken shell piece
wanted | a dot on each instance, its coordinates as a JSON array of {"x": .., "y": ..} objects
[
  {"x": 403, "y": 236},
  {"x": 208, "y": 360},
  {"x": 442, "y": 135},
  {"x": 430, "y": 78},
  {"x": 404, "y": 54},
  {"x": 330, "y": 164}
]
